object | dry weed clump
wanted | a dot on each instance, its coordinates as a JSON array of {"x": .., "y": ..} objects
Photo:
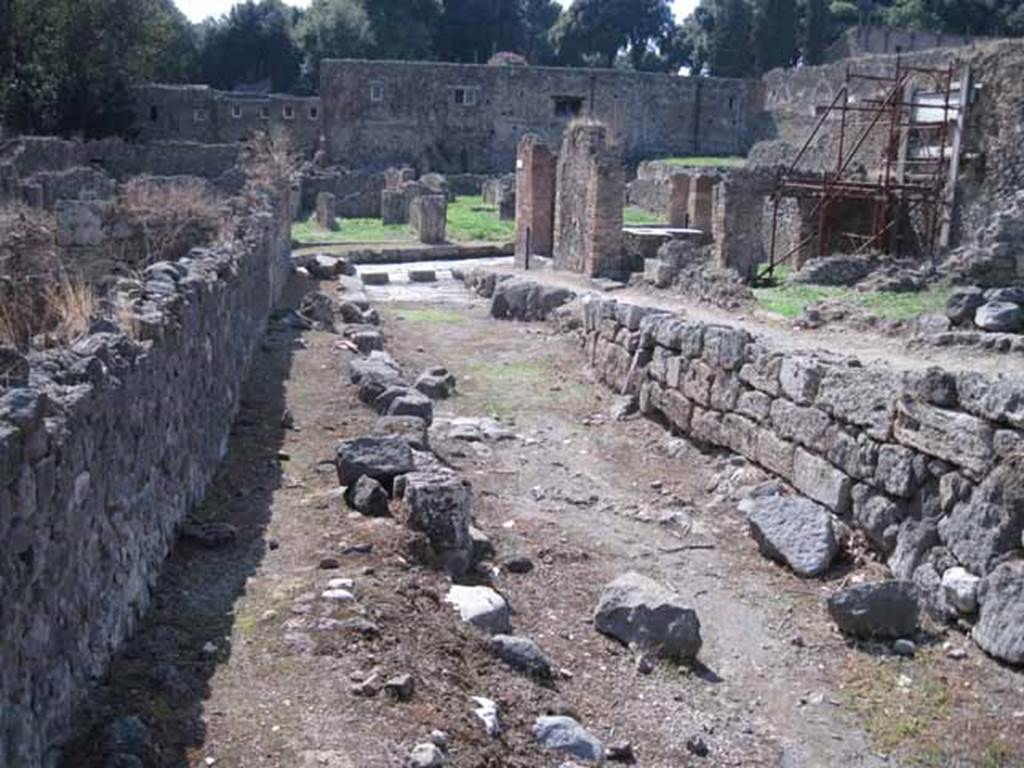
[
  {"x": 173, "y": 215},
  {"x": 269, "y": 162}
]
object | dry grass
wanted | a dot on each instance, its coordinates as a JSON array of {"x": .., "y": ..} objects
[
  {"x": 269, "y": 162},
  {"x": 174, "y": 215}
]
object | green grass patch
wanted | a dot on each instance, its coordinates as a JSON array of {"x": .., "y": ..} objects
[
  {"x": 469, "y": 218},
  {"x": 704, "y": 161},
  {"x": 633, "y": 215},
  {"x": 430, "y": 316},
  {"x": 790, "y": 300},
  {"x": 505, "y": 388}
]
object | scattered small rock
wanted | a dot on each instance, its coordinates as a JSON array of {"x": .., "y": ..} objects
[
  {"x": 482, "y": 607},
  {"x": 521, "y": 653},
  {"x": 368, "y": 497},
  {"x": 369, "y": 687},
  {"x": 695, "y": 746},
  {"x": 401, "y": 687},
  {"x": 904, "y": 647},
  {"x": 426, "y": 755},
  {"x": 487, "y": 711},
  {"x": 881, "y": 610},
  {"x": 329, "y": 563},
  {"x": 518, "y": 564},
  {"x": 567, "y": 735},
  {"x": 621, "y": 752}
]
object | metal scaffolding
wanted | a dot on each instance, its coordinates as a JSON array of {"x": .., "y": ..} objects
[{"x": 896, "y": 163}]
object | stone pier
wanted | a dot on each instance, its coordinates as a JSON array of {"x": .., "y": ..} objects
[{"x": 536, "y": 168}]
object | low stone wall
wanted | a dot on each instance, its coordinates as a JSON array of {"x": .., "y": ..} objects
[
  {"x": 104, "y": 448},
  {"x": 925, "y": 464},
  {"x": 356, "y": 192}
]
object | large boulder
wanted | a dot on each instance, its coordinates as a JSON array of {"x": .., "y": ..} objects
[
  {"x": 1000, "y": 628},
  {"x": 794, "y": 531},
  {"x": 963, "y": 303},
  {"x": 884, "y": 610},
  {"x": 412, "y": 429},
  {"x": 412, "y": 403},
  {"x": 564, "y": 734},
  {"x": 1000, "y": 317},
  {"x": 645, "y": 615},
  {"x": 439, "y": 504},
  {"x": 382, "y": 458},
  {"x": 525, "y": 300},
  {"x": 482, "y": 607}
]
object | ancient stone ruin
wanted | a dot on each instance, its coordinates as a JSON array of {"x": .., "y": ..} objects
[{"x": 714, "y": 455}]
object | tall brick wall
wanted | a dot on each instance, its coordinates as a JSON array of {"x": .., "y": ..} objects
[
  {"x": 103, "y": 451},
  {"x": 588, "y": 203},
  {"x": 536, "y": 170}
]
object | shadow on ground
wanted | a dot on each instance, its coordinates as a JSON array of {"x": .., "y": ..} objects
[{"x": 162, "y": 677}]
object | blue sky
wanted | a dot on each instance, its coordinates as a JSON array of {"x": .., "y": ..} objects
[{"x": 197, "y": 10}]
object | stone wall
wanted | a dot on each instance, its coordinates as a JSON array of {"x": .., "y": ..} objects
[
  {"x": 466, "y": 117},
  {"x": 589, "y": 193},
  {"x": 923, "y": 463},
  {"x": 104, "y": 448},
  {"x": 870, "y": 39}
]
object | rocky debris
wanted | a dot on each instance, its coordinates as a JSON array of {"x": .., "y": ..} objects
[
  {"x": 487, "y": 711},
  {"x": 436, "y": 383},
  {"x": 649, "y": 617},
  {"x": 885, "y": 610},
  {"x": 620, "y": 752},
  {"x": 483, "y": 547},
  {"x": 369, "y": 687},
  {"x": 212, "y": 534},
  {"x": 14, "y": 368},
  {"x": 368, "y": 497},
  {"x": 517, "y": 563},
  {"x": 521, "y": 653},
  {"x": 482, "y": 607},
  {"x": 323, "y": 266},
  {"x": 904, "y": 647},
  {"x": 695, "y": 746},
  {"x": 351, "y": 313},
  {"x": 366, "y": 338},
  {"x": 960, "y": 588},
  {"x": 1000, "y": 628},
  {"x": 412, "y": 403},
  {"x": 474, "y": 430},
  {"x": 318, "y": 308},
  {"x": 412, "y": 429},
  {"x": 439, "y": 505},
  {"x": 989, "y": 524},
  {"x": 794, "y": 531},
  {"x": 963, "y": 303},
  {"x": 400, "y": 688},
  {"x": 374, "y": 374},
  {"x": 426, "y": 755},
  {"x": 1000, "y": 317},
  {"x": 562, "y": 733},
  {"x": 834, "y": 270},
  {"x": 381, "y": 458},
  {"x": 516, "y": 299}
]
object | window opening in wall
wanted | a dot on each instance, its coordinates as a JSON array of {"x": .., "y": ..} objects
[
  {"x": 568, "y": 106},
  {"x": 199, "y": 115},
  {"x": 265, "y": 112},
  {"x": 154, "y": 113},
  {"x": 314, "y": 113},
  {"x": 466, "y": 97},
  {"x": 732, "y": 101},
  {"x": 236, "y": 111},
  {"x": 376, "y": 92},
  {"x": 288, "y": 113}
]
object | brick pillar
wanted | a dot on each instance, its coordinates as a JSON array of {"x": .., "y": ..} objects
[
  {"x": 535, "y": 198},
  {"x": 589, "y": 195},
  {"x": 679, "y": 200},
  {"x": 701, "y": 202}
]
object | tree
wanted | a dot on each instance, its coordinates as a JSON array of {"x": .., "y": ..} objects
[
  {"x": 474, "y": 30},
  {"x": 335, "y": 29},
  {"x": 775, "y": 34},
  {"x": 68, "y": 65},
  {"x": 729, "y": 44},
  {"x": 252, "y": 45},
  {"x": 817, "y": 33},
  {"x": 595, "y": 31},
  {"x": 403, "y": 29},
  {"x": 539, "y": 16}
]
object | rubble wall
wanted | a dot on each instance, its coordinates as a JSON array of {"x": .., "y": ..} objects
[
  {"x": 104, "y": 448},
  {"x": 923, "y": 463}
]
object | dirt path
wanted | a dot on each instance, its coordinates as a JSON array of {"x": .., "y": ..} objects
[{"x": 244, "y": 663}]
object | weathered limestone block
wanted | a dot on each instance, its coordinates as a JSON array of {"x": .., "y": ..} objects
[
  {"x": 394, "y": 208},
  {"x": 440, "y": 505},
  {"x": 877, "y": 515},
  {"x": 725, "y": 392},
  {"x": 794, "y": 531},
  {"x": 774, "y": 453},
  {"x": 428, "y": 215},
  {"x": 757, "y": 405},
  {"x": 799, "y": 378},
  {"x": 895, "y": 470},
  {"x": 706, "y": 425},
  {"x": 725, "y": 347},
  {"x": 1000, "y": 627},
  {"x": 860, "y": 396},
  {"x": 675, "y": 369},
  {"x": 857, "y": 455},
  {"x": 739, "y": 434},
  {"x": 327, "y": 211},
  {"x": 884, "y": 610},
  {"x": 677, "y": 409},
  {"x": 956, "y": 437},
  {"x": 816, "y": 478},
  {"x": 697, "y": 382},
  {"x": 807, "y": 426},
  {"x": 999, "y": 398},
  {"x": 914, "y": 541}
]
